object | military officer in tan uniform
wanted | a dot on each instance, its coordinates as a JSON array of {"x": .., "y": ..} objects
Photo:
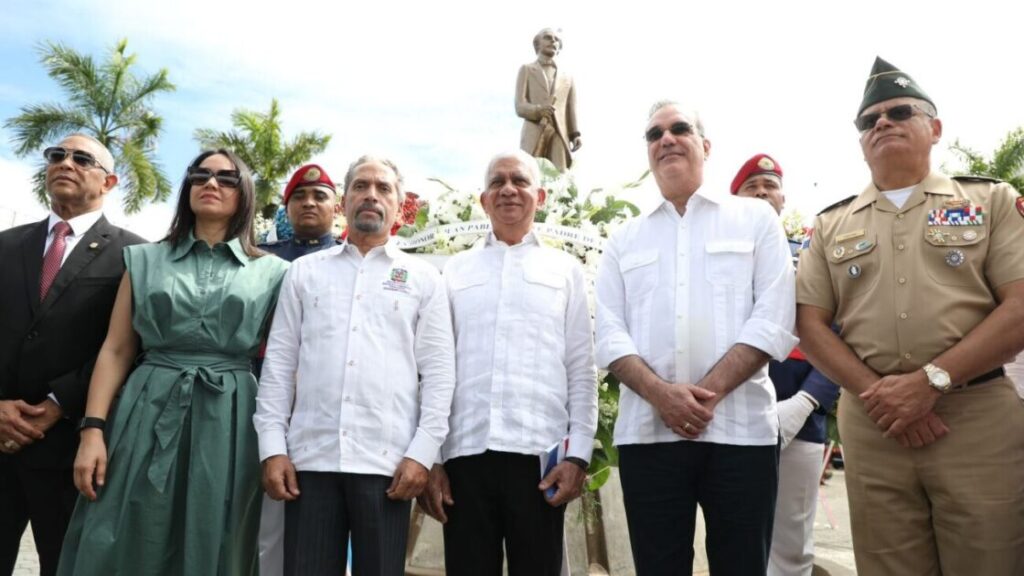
[{"x": 924, "y": 275}]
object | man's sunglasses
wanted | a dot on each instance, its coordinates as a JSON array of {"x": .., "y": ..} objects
[
  {"x": 57, "y": 154},
  {"x": 677, "y": 129},
  {"x": 899, "y": 113},
  {"x": 199, "y": 176}
]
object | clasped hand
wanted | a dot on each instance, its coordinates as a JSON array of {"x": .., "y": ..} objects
[
  {"x": 686, "y": 409},
  {"x": 22, "y": 423},
  {"x": 901, "y": 405}
]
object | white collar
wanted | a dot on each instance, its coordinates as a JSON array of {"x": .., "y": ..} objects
[{"x": 79, "y": 224}]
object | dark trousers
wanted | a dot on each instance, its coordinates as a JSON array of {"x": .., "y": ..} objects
[
  {"x": 662, "y": 484},
  {"x": 497, "y": 501},
  {"x": 44, "y": 497},
  {"x": 331, "y": 507}
]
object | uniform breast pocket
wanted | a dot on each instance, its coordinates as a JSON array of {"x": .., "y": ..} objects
[
  {"x": 639, "y": 273},
  {"x": 955, "y": 255},
  {"x": 729, "y": 263},
  {"x": 854, "y": 266},
  {"x": 545, "y": 291},
  {"x": 467, "y": 293}
]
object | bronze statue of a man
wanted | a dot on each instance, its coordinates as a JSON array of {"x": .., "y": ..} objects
[{"x": 546, "y": 101}]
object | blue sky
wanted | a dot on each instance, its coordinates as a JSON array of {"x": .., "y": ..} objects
[{"x": 431, "y": 84}]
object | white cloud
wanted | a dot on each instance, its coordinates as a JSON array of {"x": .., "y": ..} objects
[{"x": 18, "y": 204}]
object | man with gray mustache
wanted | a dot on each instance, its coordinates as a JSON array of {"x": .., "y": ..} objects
[{"x": 356, "y": 388}]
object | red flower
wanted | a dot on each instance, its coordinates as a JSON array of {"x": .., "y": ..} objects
[{"x": 408, "y": 209}]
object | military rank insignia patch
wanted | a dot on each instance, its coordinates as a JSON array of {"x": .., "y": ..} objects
[{"x": 964, "y": 216}]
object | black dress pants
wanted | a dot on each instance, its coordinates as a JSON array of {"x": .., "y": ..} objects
[
  {"x": 331, "y": 507},
  {"x": 46, "y": 498},
  {"x": 736, "y": 486},
  {"x": 497, "y": 503}
]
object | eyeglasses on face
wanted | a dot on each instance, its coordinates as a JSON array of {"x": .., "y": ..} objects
[
  {"x": 57, "y": 154},
  {"x": 199, "y": 176},
  {"x": 678, "y": 129},
  {"x": 900, "y": 113}
]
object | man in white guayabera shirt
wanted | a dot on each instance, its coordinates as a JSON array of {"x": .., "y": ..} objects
[
  {"x": 356, "y": 388},
  {"x": 525, "y": 380},
  {"x": 693, "y": 299}
]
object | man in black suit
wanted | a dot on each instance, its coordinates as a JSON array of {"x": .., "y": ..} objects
[{"x": 56, "y": 293}]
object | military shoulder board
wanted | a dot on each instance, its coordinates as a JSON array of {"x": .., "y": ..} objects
[
  {"x": 842, "y": 202},
  {"x": 976, "y": 178}
]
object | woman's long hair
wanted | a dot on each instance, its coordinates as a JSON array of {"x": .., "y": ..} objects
[{"x": 241, "y": 224}]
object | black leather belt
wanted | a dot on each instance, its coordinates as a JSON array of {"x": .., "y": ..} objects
[{"x": 997, "y": 373}]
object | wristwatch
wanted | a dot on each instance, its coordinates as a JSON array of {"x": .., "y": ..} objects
[
  {"x": 578, "y": 461},
  {"x": 938, "y": 378},
  {"x": 91, "y": 422}
]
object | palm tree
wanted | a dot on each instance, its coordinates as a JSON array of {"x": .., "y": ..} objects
[
  {"x": 258, "y": 142},
  {"x": 1007, "y": 162},
  {"x": 108, "y": 102}
]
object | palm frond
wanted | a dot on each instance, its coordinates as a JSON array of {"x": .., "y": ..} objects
[
  {"x": 40, "y": 124},
  {"x": 138, "y": 178},
  {"x": 110, "y": 104},
  {"x": 258, "y": 140},
  {"x": 39, "y": 186},
  {"x": 76, "y": 73}
]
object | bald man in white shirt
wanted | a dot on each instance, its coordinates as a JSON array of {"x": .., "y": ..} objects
[
  {"x": 525, "y": 380},
  {"x": 692, "y": 300}
]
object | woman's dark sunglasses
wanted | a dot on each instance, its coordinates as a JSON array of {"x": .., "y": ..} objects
[
  {"x": 200, "y": 176},
  {"x": 899, "y": 113},
  {"x": 57, "y": 154},
  {"x": 677, "y": 129}
]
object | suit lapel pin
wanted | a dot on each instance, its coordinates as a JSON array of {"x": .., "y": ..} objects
[{"x": 94, "y": 245}]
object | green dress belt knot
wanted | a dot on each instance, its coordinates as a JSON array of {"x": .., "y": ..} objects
[{"x": 207, "y": 370}]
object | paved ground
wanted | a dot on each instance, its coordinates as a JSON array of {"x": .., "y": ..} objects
[
  {"x": 28, "y": 562},
  {"x": 833, "y": 547}
]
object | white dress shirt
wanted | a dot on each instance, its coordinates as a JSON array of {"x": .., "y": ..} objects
[
  {"x": 680, "y": 291},
  {"x": 524, "y": 351},
  {"x": 79, "y": 226},
  {"x": 339, "y": 390}
]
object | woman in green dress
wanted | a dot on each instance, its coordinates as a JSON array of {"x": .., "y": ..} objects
[{"x": 174, "y": 487}]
